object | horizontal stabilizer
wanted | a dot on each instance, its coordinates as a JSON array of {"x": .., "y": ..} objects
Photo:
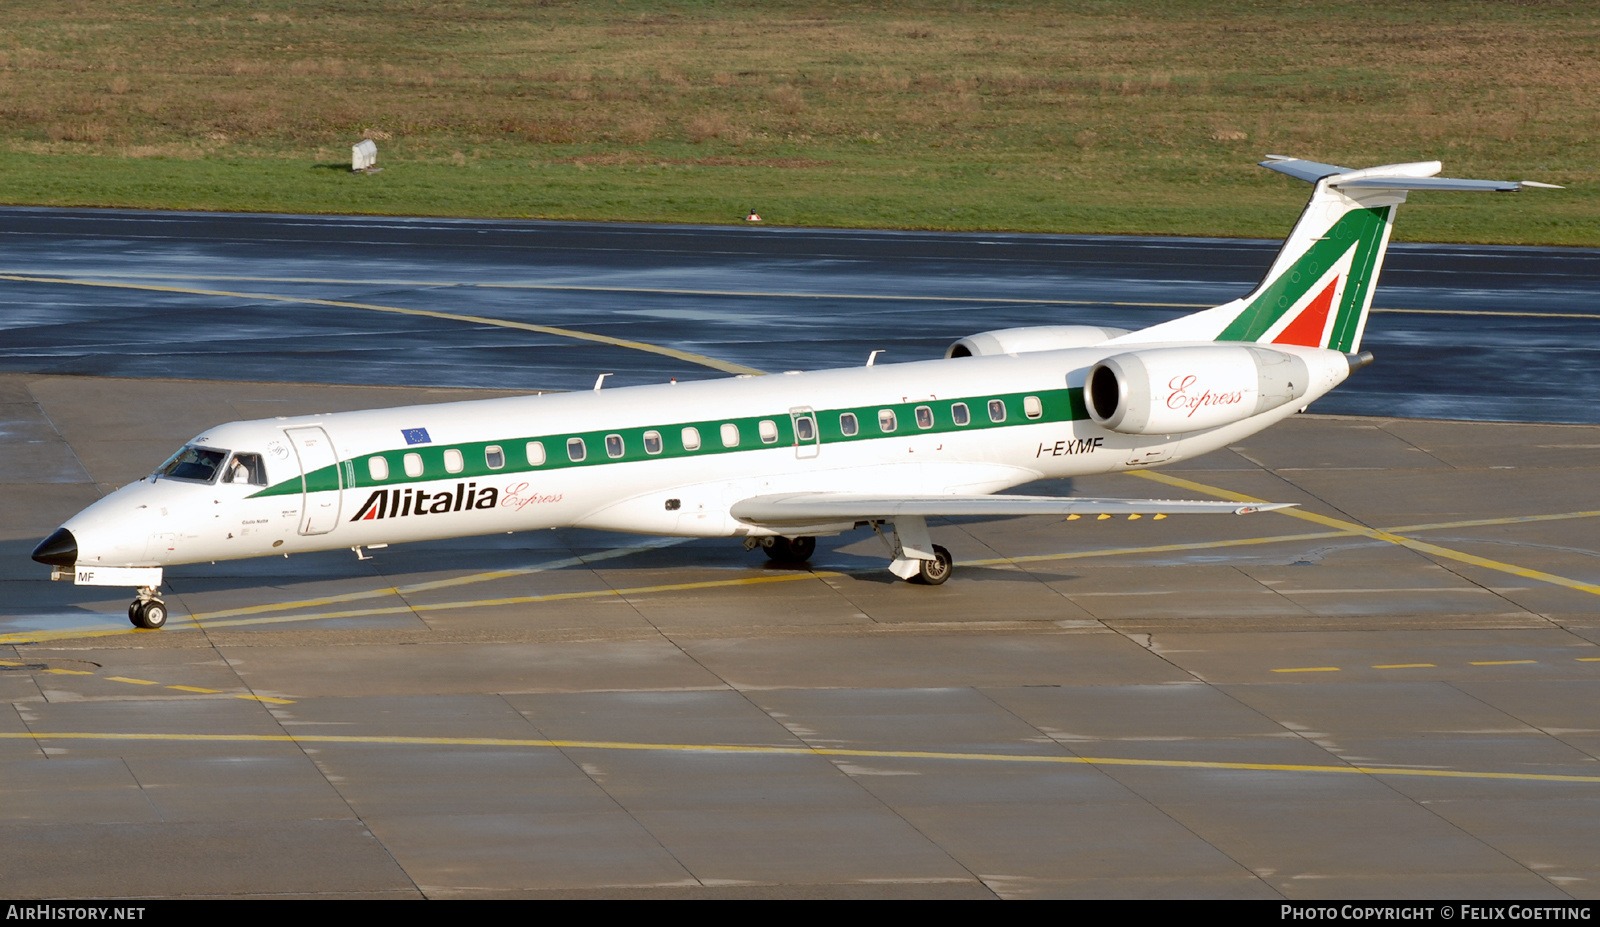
[
  {"x": 1418, "y": 175},
  {"x": 1426, "y": 183},
  {"x": 1309, "y": 171},
  {"x": 811, "y": 507}
]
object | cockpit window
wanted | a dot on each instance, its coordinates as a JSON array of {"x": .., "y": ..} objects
[
  {"x": 195, "y": 464},
  {"x": 246, "y": 469}
]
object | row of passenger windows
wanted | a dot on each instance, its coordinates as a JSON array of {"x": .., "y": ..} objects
[
  {"x": 494, "y": 456},
  {"x": 888, "y": 423}
]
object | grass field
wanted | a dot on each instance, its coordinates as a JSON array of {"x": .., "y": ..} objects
[{"x": 1108, "y": 116}]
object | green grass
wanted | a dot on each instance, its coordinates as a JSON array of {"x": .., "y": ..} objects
[{"x": 1111, "y": 116}]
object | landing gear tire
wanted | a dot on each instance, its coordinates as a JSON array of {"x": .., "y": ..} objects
[
  {"x": 934, "y": 572},
  {"x": 149, "y": 615},
  {"x": 790, "y": 550}
]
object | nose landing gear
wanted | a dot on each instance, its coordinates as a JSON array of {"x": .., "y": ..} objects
[{"x": 147, "y": 611}]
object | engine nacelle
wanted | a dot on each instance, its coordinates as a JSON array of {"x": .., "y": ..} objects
[
  {"x": 1032, "y": 338},
  {"x": 1164, "y": 391}
]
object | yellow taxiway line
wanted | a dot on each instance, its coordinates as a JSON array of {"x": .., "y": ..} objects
[
  {"x": 771, "y": 750},
  {"x": 701, "y": 359},
  {"x": 755, "y": 294},
  {"x": 1381, "y": 535}
]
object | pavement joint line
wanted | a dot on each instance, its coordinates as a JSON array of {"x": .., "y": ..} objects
[
  {"x": 776, "y": 294},
  {"x": 469, "y": 579},
  {"x": 1379, "y": 534},
  {"x": 768, "y": 750},
  {"x": 524, "y": 600},
  {"x": 701, "y": 359}
]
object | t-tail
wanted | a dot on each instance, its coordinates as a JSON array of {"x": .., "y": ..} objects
[{"x": 1319, "y": 289}]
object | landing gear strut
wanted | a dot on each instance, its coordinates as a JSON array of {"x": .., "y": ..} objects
[{"x": 147, "y": 611}]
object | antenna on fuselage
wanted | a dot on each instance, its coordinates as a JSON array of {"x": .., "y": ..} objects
[
  {"x": 873, "y": 357},
  {"x": 599, "y": 380}
]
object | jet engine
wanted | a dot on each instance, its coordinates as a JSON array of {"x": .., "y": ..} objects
[
  {"x": 1163, "y": 391},
  {"x": 1032, "y": 338}
]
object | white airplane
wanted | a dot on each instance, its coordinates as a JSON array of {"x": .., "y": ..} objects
[{"x": 781, "y": 460}]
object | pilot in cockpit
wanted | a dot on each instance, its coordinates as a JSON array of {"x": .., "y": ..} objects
[{"x": 245, "y": 469}]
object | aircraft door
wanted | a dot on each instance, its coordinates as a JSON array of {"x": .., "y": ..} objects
[
  {"x": 319, "y": 507},
  {"x": 807, "y": 436}
]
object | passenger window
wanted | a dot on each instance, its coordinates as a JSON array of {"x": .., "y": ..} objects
[
  {"x": 413, "y": 465},
  {"x": 576, "y": 451},
  {"x": 691, "y": 439},
  {"x": 768, "y": 429},
  {"x": 493, "y": 457},
  {"x": 613, "y": 446},
  {"x": 652, "y": 442},
  {"x": 924, "y": 417},
  {"x": 535, "y": 453},
  {"x": 886, "y": 422},
  {"x": 378, "y": 468},
  {"x": 1032, "y": 407},
  {"x": 805, "y": 430},
  {"x": 997, "y": 411},
  {"x": 452, "y": 461},
  {"x": 730, "y": 435},
  {"x": 959, "y": 413},
  {"x": 848, "y": 425}
]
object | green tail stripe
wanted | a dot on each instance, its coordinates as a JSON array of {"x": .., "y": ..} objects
[
  {"x": 1359, "y": 228},
  {"x": 1358, "y": 289}
]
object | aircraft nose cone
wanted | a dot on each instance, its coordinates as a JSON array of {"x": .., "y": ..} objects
[{"x": 59, "y": 549}]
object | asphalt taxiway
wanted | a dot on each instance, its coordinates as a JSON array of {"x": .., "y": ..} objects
[{"x": 1388, "y": 691}]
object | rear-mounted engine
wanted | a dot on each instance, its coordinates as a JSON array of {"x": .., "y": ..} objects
[
  {"x": 1163, "y": 391},
  {"x": 1030, "y": 339}
]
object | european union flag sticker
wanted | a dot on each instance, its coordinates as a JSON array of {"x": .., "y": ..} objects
[{"x": 416, "y": 435}]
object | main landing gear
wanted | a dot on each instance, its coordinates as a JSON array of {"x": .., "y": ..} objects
[
  {"x": 147, "y": 611},
  {"x": 789, "y": 550},
  {"x": 934, "y": 572},
  {"x": 913, "y": 555}
]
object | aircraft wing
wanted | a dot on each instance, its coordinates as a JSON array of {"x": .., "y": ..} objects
[{"x": 814, "y": 507}]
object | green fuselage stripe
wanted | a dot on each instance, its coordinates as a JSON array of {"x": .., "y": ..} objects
[{"x": 1058, "y": 405}]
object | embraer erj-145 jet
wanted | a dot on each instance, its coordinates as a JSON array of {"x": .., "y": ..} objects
[{"x": 780, "y": 460}]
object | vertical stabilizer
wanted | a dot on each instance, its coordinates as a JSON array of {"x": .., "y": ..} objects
[{"x": 1319, "y": 289}]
